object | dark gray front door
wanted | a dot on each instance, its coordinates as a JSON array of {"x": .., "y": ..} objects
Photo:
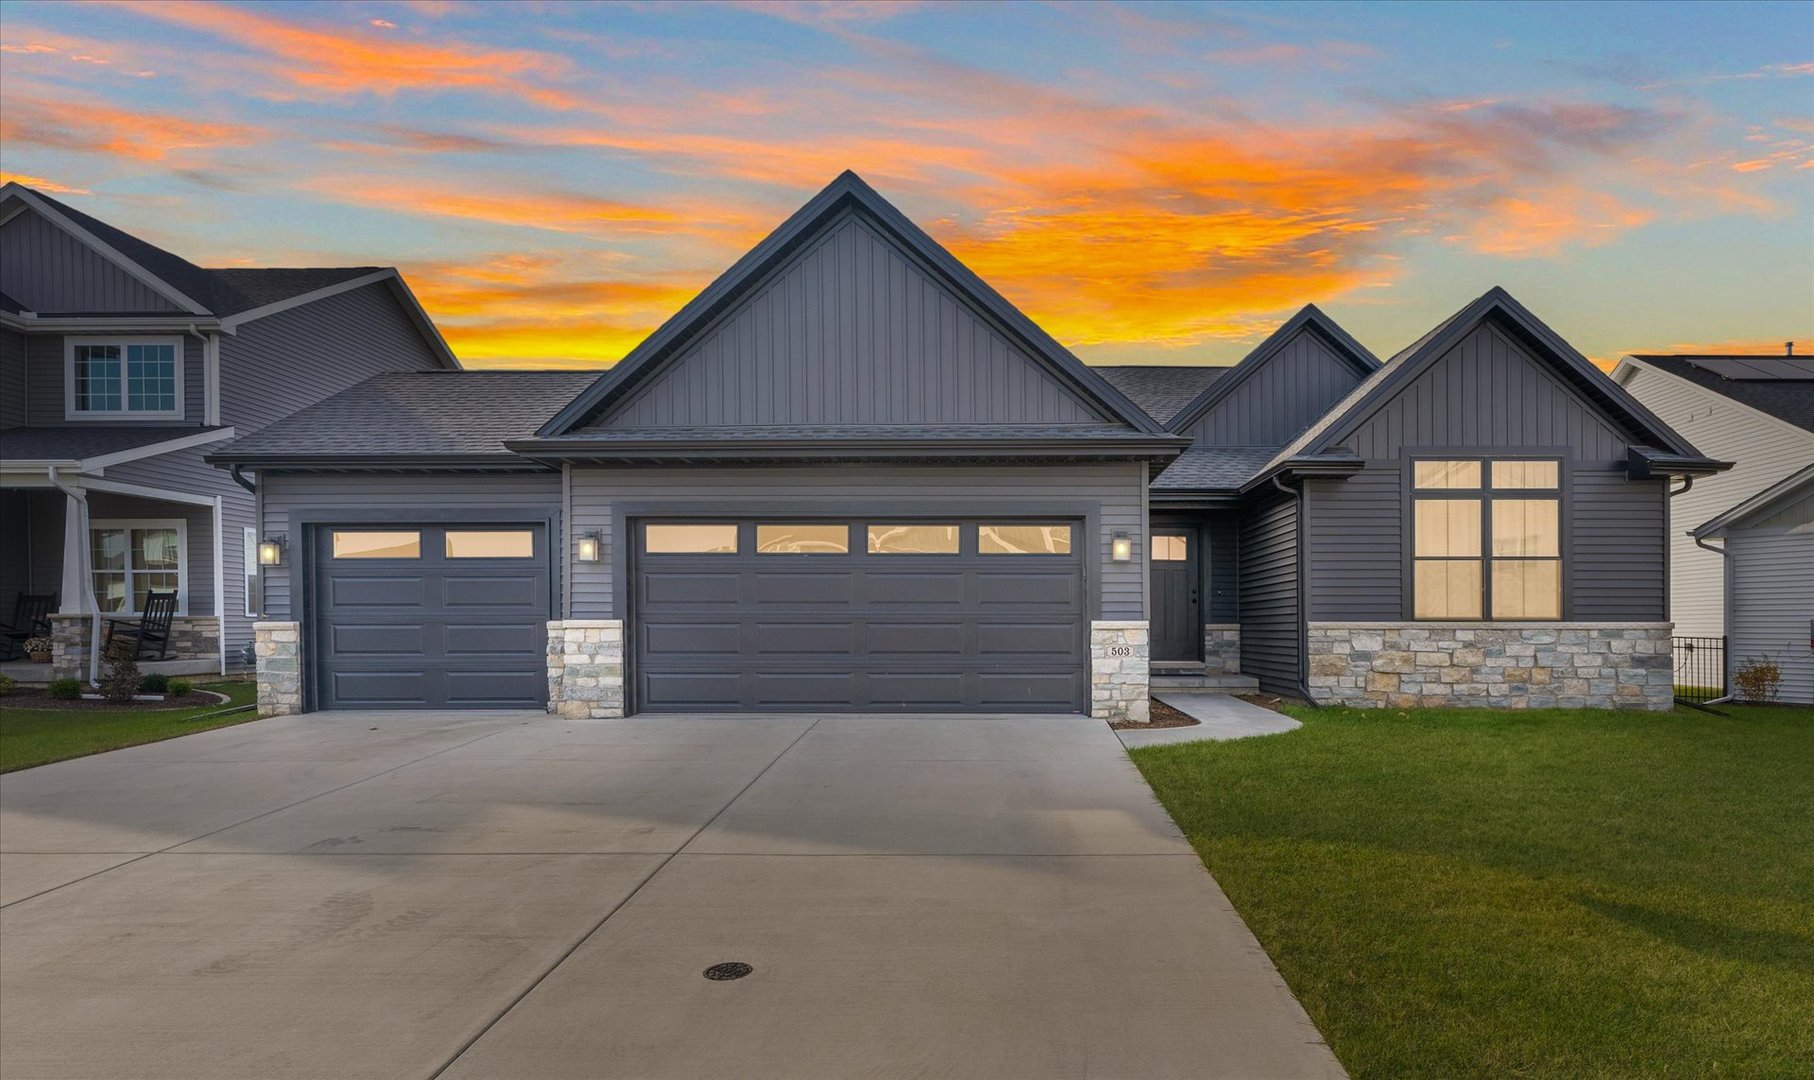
[
  {"x": 942, "y": 616},
  {"x": 1177, "y": 613},
  {"x": 431, "y": 616}
]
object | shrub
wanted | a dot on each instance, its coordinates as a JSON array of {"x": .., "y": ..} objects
[
  {"x": 1759, "y": 680},
  {"x": 120, "y": 676},
  {"x": 64, "y": 689},
  {"x": 155, "y": 683},
  {"x": 179, "y": 687},
  {"x": 6, "y": 685}
]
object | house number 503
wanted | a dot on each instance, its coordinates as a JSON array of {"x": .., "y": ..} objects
[{"x": 1121, "y": 650}]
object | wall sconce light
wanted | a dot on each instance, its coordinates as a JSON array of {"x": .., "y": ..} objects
[
  {"x": 1121, "y": 547},
  {"x": 586, "y": 547},
  {"x": 270, "y": 550}
]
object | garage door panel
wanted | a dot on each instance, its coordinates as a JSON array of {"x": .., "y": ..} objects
[
  {"x": 921, "y": 589},
  {"x": 692, "y": 690},
  {"x": 804, "y": 688},
  {"x": 767, "y": 638},
  {"x": 1054, "y": 690},
  {"x": 694, "y": 638},
  {"x": 943, "y": 689},
  {"x": 430, "y": 632},
  {"x": 361, "y": 591},
  {"x": 518, "y": 590},
  {"x": 1046, "y": 589},
  {"x": 943, "y": 637},
  {"x": 682, "y": 587},
  {"x": 829, "y": 587},
  {"x": 1057, "y": 640}
]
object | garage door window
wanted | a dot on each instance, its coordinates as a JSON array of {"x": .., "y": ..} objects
[
  {"x": 913, "y": 539},
  {"x": 349, "y": 544},
  {"x": 693, "y": 539},
  {"x": 490, "y": 544},
  {"x": 803, "y": 539},
  {"x": 1023, "y": 539}
]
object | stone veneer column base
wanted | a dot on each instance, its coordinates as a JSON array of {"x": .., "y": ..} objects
[
  {"x": 1118, "y": 671},
  {"x": 1569, "y": 665},
  {"x": 70, "y": 644},
  {"x": 278, "y": 648},
  {"x": 586, "y": 668},
  {"x": 1221, "y": 649}
]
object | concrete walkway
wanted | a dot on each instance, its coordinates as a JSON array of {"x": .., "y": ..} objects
[
  {"x": 514, "y": 895},
  {"x": 1219, "y": 716}
]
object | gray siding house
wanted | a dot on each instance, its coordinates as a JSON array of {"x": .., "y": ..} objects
[
  {"x": 1766, "y": 544},
  {"x": 121, "y": 365},
  {"x": 850, "y": 476},
  {"x": 1755, "y": 411}
]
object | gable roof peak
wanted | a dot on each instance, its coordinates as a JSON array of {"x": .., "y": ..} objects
[{"x": 1308, "y": 317}]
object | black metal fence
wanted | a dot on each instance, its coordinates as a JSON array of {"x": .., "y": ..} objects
[{"x": 1700, "y": 669}]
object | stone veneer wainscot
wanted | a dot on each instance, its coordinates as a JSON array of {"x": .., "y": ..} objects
[
  {"x": 1221, "y": 649},
  {"x": 278, "y": 650},
  {"x": 1119, "y": 671},
  {"x": 586, "y": 668},
  {"x": 1497, "y": 665}
]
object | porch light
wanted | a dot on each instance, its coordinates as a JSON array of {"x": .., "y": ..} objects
[
  {"x": 587, "y": 546},
  {"x": 1121, "y": 547},
  {"x": 270, "y": 550}
]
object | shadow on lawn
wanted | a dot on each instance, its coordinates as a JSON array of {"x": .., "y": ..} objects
[{"x": 1771, "y": 948}]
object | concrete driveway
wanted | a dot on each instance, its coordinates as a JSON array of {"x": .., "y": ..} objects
[{"x": 515, "y": 895}]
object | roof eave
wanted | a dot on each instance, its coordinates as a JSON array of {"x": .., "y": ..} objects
[
  {"x": 1305, "y": 466},
  {"x": 374, "y": 462},
  {"x": 1145, "y": 448},
  {"x": 1763, "y": 500},
  {"x": 1644, "y": 464}
]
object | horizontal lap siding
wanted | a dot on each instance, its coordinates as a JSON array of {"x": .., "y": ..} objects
[
  {"x": 47, "y": 269},
  {"x": 1355, "y": 531},
  {"x": 198, "y": 521},
  {"x": 12, "y": 379},
  {"x": 284, "y": 494},
  {"x": 1773, "y": 601},
  {"x": 46, "y": 382},
  {"x": 1271, "y": 634},
  {"x": 1222, "y": 532},
  {"x": 852, "y": 331},
  {"x": 1119, "y": 489},
  {"x": 1619, "y": 570}
]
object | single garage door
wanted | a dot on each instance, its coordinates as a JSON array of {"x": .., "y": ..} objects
[
  {"x": 854, "y": 616},
  {"x": 431, "y": 616}
]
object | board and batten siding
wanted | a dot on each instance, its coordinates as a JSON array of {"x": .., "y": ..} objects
[
  {"x": 1772, "y": 581},
  {"x": 1488, "y": 396},
  {"x": 1296, "y": 385},
  {"x": 495, "y": 497},
  {"x": 851, "y": 331},
  {"x": 851, "y": 491},
  {"x": 1272, "y": 634},
  {"x": 46, "y": 389},
  {"x": 48, "y": 270},
  {"x": 1763, "y": 449},
  {"x": 291, "y": 359}
]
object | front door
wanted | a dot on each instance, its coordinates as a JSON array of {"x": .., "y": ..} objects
[{"x": 1177, "y": 617}]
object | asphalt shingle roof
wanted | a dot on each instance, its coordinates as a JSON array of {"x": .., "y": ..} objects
[
  {"x": 1214, "y": 468},
  {"x": 421, "y": 414},
  {"x": 240, "y": 290},
  {"x": 1789, "y": 396},
  {"x": 832, "y": 432},
  {"x": 1161, "y": 390},
  {"x": 76, "y": 442}
]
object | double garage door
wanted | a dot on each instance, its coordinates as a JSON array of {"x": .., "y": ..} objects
[
  {"x": 864, "y": 616},
  {"x": 856, "y": 616}
]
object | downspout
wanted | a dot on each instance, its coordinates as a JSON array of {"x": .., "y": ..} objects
[
  {"x": 78, "y": 500},
  {"x": 240, "y": 479},
  {"x": 1726, "y": 575},
  {"x": 1303, "y": 589}
]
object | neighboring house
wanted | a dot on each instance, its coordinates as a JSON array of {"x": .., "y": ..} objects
[
  {"x": 1768, "y": 551},
  {"x": 1755, "y": 411},
  {"x": 120, "y": 365},
  {"x": 850, "y": 476}
]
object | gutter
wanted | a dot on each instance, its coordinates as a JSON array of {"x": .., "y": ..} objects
[{"x": 1726, "y": 611}]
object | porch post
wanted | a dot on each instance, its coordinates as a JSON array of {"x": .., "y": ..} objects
[{"x": 74, "y": 593}]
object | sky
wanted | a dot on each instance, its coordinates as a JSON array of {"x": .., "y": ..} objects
[{"x": 1151, "y": 183}]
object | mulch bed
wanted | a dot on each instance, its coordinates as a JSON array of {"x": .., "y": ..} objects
[
  {"x": 1162, "y": 715},
  {"x": 1269, "y": 701},
  {"x": 32, "y": 698}
]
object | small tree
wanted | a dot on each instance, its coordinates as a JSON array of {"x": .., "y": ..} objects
[
  {"x": 1759, "y": 679},
  {"x": 120, "y": 679}
]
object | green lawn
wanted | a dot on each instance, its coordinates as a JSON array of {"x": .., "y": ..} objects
[
  {"x": 39, "y": 736},
  {"x": 1558, "y": 893}
]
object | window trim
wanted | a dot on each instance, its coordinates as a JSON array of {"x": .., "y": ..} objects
[
  {"x": 1486, "y": 495},
  {"x": 71, "y": 412},
  {"x": 252, "y": 572},
  {"x": 181, "y": 526}
]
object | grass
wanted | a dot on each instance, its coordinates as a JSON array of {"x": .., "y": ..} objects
[
  {"x": 1554, "y": 893},
  {"x": 40, "y": 736}
]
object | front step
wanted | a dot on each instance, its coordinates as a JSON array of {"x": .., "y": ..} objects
[{"x": 1225, "y": 684}]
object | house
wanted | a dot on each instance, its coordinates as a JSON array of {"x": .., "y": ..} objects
[
  {"x": 850, "y": 476},
  {"x": 1755, "y": 411},
  {"x": 1767, "y": 546},
  {"x": 121, "y": 364}
]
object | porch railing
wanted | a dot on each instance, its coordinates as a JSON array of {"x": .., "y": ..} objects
[{"x": 1700, "y": 669}]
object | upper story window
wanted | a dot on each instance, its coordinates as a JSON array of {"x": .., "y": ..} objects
[
  {"x": 1486, "y": 539},
  {"x": 125, "y": 378}
]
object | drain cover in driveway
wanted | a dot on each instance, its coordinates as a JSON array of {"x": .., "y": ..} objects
[{"x": 727, "y": 971}]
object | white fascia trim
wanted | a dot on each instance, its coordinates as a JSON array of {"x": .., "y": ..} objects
[
  {"x": 158, "y": 284},
  {"x": 233, "y": 322},
  {"x": 108, "y": 324},
  {"x": 211, "y": 378},
  {"x": 115, "y": 487}
]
